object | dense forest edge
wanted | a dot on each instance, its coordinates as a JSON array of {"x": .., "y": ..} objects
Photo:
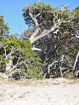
[{"x": 49, "y": 48}]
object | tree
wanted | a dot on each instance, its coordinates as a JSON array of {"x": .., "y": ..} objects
[
  {"x": 3, "y": 27},
  {"x": 17, "y": 56},
  {"x": 52, "y": 32}
]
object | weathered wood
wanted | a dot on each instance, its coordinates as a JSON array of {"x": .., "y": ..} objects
[
  {"x": 34, "y": 37},
  {"x": 73, "y": 70},
  {"x": 50, "y": 65}
]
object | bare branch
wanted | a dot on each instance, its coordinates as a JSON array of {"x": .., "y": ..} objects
[
  {"x": 46, "y": 32},
  {"x": 37, "y": 15},
  {"x": 36, "y": 49},
  {"x": 19, "y": 64},
  {"x": 37, "y": 27},
  {"x": 34, "y": 19},
  {"x": 50, "y": 65},
  {"x": 75, "y": 62}
]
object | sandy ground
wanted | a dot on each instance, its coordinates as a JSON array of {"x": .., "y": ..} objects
[{"x": 46, "y": 92}]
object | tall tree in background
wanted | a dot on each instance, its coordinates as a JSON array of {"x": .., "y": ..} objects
[{"x": 3, "y": 27}]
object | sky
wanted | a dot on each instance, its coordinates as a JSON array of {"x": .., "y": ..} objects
[{"x": 12, "y": 12}]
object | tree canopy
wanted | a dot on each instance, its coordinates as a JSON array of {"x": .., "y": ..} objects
[{"x": 54, "y": 32}]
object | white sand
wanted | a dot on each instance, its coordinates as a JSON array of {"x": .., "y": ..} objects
[{"x": 46, "y": 92}]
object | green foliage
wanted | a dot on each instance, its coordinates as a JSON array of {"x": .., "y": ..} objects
[
  {"x": 26, "y": 48},
  {"x": 37, "y": 8},
  {"x": 3, "y": 27},
  {"x": 76, "y": 12},
  {"x": 41, "y": 6},
  {"x": 36, "y": 67},
  {"x": 24, "y": 51}
]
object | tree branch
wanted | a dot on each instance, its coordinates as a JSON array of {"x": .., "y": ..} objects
[
  {"x": 50, "y": 65},
  {"x": 46, "y": 32},
  {"x": 73, "y": 70},
  {"x": 36, "y": 25},
  {"x": 36, "y": 49}
]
